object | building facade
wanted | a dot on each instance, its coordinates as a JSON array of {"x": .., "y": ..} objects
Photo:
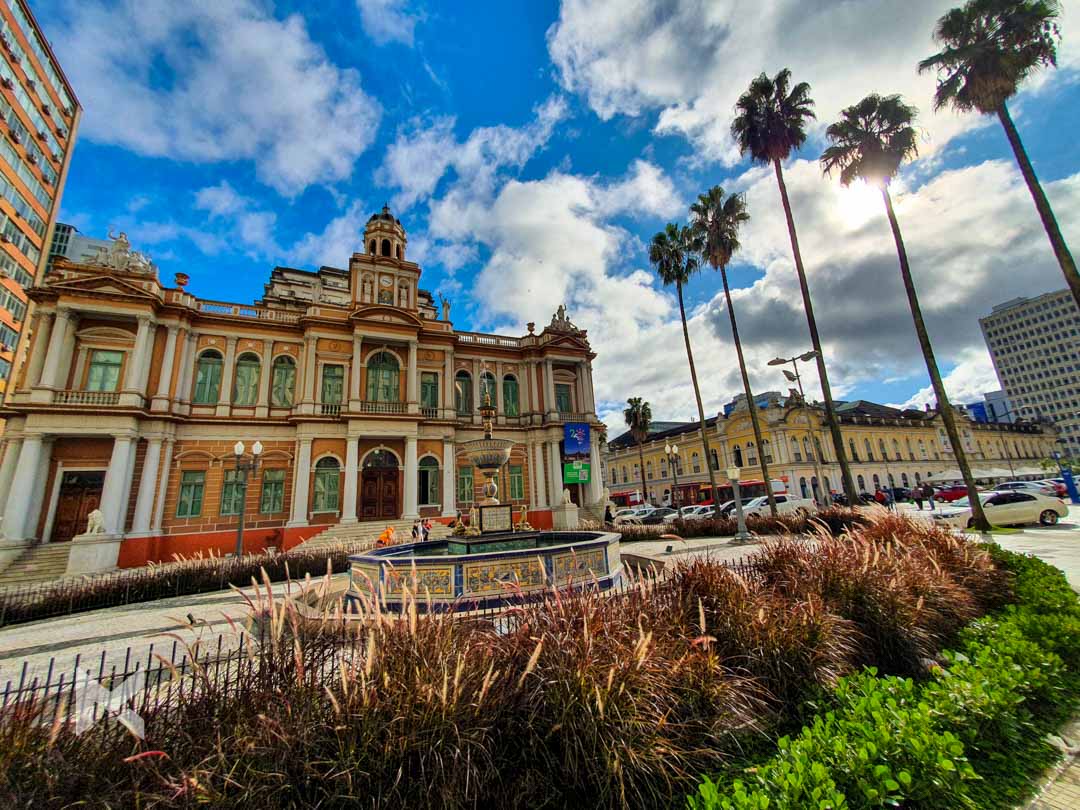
[
  {"x": 887, "y": 447},
  {"x": 1035, "y": 346},
  {"x": 357, "y": 385},
  {"x": 68, "y": 243},
  {"x": 41, "y": 117}
]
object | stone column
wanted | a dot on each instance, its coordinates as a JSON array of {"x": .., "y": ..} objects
[
  {"x": 549, "y": 389},
  {"x": 7, "y": 469},
  {"x": 500, "y": 414},
  {"x": 226, "y": 394},
  {"x": 355, "y": 396},
  {"x": 17, "y": 517},
  {"x": 539, "y": 481},
  {"x": 133, "y": 372},
  {"x": 596, "y": 483},
  {"x": 555, "y": 474},
  {"x": 449, "y": 485},
  {"x": 301, "y": 481},
  {"x": 161, "y": 396},
  {"x": 129, "y": 481},
  {"x": 266, "y": 370},
  {"x": 163, "y": 486},
  {"x": 448, "y": 382},
  {"x": 42, "y": 331},
  {"x": 112, "y": 494},
  {"x": 412, "y": 380},
  {"x": 144, "y": 503},
  {"x": 51, "y": 372},
  {"x": 411, "y": 509},
  {"x": 187, "y": 372},
  {"x": 590, "y": 391},
  {"x": 477, "y": 393},
  {"x": 148, "y": 359},
  {"x": 352, "y": 460},
  {"x": 308, "y": 401}
]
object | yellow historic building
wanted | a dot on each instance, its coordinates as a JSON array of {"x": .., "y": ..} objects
[
  {"x": 886, "y": 447},
  {"x": 354, "y": 381}
]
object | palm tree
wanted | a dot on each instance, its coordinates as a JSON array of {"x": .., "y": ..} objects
[
  {"x": 638, "y": 417},
  {"x": 989, "y": 47},
  {"x": 869, "y": 143},
  {"x": 675, "y": 254},
  {"x": 771, "y": 122},
  {"x": 715, "y": 223}
]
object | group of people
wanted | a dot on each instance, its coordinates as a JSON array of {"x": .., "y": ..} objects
[
  {"x": 421, "y": 533},
  {"x": 919, "y": 494}
]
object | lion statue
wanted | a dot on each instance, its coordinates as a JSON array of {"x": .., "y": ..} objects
[{"x": 95, "y": 522}]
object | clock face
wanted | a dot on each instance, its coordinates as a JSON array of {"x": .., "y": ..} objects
[{"x": 386, "y": 281}]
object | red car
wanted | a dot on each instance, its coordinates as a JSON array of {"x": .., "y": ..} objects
[{"x": 951, "y": 493}]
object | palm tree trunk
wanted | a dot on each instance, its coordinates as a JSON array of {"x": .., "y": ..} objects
[
  {"x": 826, "y": 390},
  {"x": 697, "y": 397},
  {"x": 978, "y": 517},
  {"x": 1046, "y": 213},
  {"x": 749, "y": 396}
]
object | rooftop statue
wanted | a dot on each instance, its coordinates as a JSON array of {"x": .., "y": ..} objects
[
  {"x": 561, "y": 323},
  {"x": 119, "y": 256}
]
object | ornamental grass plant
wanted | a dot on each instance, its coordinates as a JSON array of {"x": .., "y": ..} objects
[{"x": 581, "y": 699}]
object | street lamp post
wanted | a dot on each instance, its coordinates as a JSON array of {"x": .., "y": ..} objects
[
  {"x": 820, "y": 495},
  {"x": 741, "y": 535},
  {"x": 672, "y": 453},
  {"x": 244, "y": 467}
]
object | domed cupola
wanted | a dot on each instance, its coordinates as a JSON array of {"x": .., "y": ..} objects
[{"x": 384, "y": 236}]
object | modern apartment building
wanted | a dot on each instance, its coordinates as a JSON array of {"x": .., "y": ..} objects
[
  {"x": 1035, "y": 346},
  {"x": 40, "y": 116},
  {"x": 69, "y": 244}
]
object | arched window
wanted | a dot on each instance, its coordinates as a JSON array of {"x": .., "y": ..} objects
[
  {"x": 327, "y": 485},
  {"x": 851, "y": 448},
  {"x": 922, "y": 450},
  {"x": 463, "y": 393},
  {"x": 713, "y": 459},
  {"x": 862, "y": 483},
  {"x": 371, "y": 247},
  {"x": 399, "y": 251},
  {"x": 625, "y": 479},
  {"x": 428, "y": 482},
  {"x": 828, "y": 487},
  {"x": 796, "y": 451},
  {"x": 816, "y": 488},
  {"x": 918, "y": 478},
  {"x": 383, "y": 378},
  {"x": 333, "y": 384},
  {"x": 663, "y": 468},
  {"x": 637, "y": 472},
  {"x": 751, "y": 453},
  {"x": 869, "y": 450},
  {"x": 881, "y": 447},
  {"x": 877, "y": 482},
  {"x": 385, "y": 247},
  {"x": 896, "y": 450},
  {"x": 208, "y": 378},
  {"x": 487, "y": 388},
  {"x": 648, "y": 470},
  {"x": 511, "y": 407},
  {"x": 695, "y": 462},
  {"x": 381, "y": 460},
  {"x": 283, "y": 382},
  {"x": 807, "y": 450},
  {"x": 904, "y": 479},
  {"x": 737, "y": 453},
  {"x": 802, "y": 487},
  {"x": 892, "y": 481},
  {"x": 246, "y": 382},
  {"x": 910, "y": 451}
]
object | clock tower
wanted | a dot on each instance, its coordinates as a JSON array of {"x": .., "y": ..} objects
[{"x": 381, "y": 275}]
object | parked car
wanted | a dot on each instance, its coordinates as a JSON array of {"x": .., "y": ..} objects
[
  {"x": 626, "y": 510},
  {"x": 628, "y": 519},
  {"x": 1058, "y": 485},
  {"x": 785, "y": 505},
  {"x": 1039, "y": 487},
  {"x": 657, "y": 516},
  {"x": 1005, "y": 508},
  {"x": 951, "y": 493},
  {"x": 695, "y": 511},
  {"x": 727, "y": 508},
  {"x": 901, "y": 494}
]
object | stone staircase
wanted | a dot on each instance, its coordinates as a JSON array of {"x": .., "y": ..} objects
[
  {"x": 39, "y": 563},
  {"x": 368, "y": 532}
]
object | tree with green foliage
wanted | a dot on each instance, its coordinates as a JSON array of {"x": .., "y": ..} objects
[
  {"x": 715, "y": 220},
  {"x": 770, "y": 122},
  {"x": 989, "y": 47},
  {"x": 638, "y": 417},
  {"x": 870, "y": 142}
]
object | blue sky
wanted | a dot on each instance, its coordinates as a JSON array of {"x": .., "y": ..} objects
[{"x": 532, "y": 149}]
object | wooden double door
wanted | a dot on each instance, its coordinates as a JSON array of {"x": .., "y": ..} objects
[
  {"x": 80, "y": 494},
  {"x": 380, "y": 492}
]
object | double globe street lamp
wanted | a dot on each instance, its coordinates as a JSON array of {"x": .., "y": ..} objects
[
  {"x": 820, "y": 495},
  {"x": 672, "y": 453},
  {"x": 245, "y": 466}
]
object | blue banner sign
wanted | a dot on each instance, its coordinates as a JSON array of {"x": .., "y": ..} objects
[{"x": 576, "y": 439}]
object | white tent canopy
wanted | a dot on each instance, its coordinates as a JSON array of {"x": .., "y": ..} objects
[{"x": 988, "y": 474}]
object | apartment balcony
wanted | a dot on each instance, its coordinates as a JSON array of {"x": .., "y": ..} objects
[
  {"x": 327, "y": 409},
  {"x": 383, "y": 408}
]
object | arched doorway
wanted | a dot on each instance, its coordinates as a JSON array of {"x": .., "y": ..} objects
[{"x": 380, "y": 489}]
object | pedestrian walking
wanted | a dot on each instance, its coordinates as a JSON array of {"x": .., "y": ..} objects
[
  {"x": 425, "y": 531},
  {"x": 928, "y": 493},
  {"x": 917, "y": 494},
  {"x": 879, "y": 496},
  {"x": 416, "y": 531},
  {"x": 608, "y": 519}
]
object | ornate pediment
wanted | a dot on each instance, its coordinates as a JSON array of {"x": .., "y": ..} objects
[
  {"x": 105, "y": 285},
  {"x": 385, "y": 314}
]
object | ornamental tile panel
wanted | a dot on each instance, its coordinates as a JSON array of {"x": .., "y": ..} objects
[
  {"x": 436, "y": 580},
  {"x": 498, "y": 576},
  {"x": 579, "y": 565}
]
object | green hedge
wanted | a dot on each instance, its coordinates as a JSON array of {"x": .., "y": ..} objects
[{"x": 971, "y": 735}]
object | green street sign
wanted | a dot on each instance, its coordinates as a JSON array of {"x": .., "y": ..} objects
[{"x": 576, "y": 472}]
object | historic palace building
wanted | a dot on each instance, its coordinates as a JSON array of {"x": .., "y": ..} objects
[
  {"x": 354, "y": 381},
  {"x": 40, "y": 115},
  {"x": 887, "y": 447}
]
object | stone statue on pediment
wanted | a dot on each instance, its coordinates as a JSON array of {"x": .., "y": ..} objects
[
  {"x": 561, "y": 323},
  {"x": 445, "y": 302},
  {"x": 119, "y": 256}
]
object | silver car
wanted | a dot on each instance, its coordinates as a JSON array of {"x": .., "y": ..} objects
[{"x": 1005, "y": 508}]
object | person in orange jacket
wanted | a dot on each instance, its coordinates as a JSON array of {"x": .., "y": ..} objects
[{"x": 387, "y": 538}]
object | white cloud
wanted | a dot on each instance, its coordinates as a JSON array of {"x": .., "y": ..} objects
[
  {"x": 342, "y": 236},
  {"x": 690, "y": 60},
  {"x": 387, "y": 21},
  {"x": 973, "y": 376},
  {"x": 207, "y": 81},
  {"x": 248, "y": 225},
  {"x": 424, "y": 150}
]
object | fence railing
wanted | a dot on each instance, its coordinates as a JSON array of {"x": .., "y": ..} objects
[
  {"x": 383, "y": 407},
  {"x": 100, "y": 398}
]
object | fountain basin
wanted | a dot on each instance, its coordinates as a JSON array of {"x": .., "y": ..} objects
[{"x": 462, "y": 574}]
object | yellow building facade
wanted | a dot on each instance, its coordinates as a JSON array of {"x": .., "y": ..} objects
[{"x": 887, "y": 447}]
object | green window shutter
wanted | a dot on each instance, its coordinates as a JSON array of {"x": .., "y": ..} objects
[
  {"x": 562, "y": 397},
  {"x": 104, "y": 373},
  {"x": 208, "y": 379},
  {"x": 332, "y": 384},
  {"x": 463, "y": 394},
  {"x": 272, "y": 499},
  {"x": 510, "y": 397},
  {"x": 429, "y": 389},
  {"x": 232, "y": 493},
  {"x": 517, "y": 483},
  {"x": 189, "y": 501},
  {"x": 283, "y": 384},
  {"x": 465, "y": 485},
  {"x": 246, "y": 387},
  {"x": 327, "y": 484}
]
